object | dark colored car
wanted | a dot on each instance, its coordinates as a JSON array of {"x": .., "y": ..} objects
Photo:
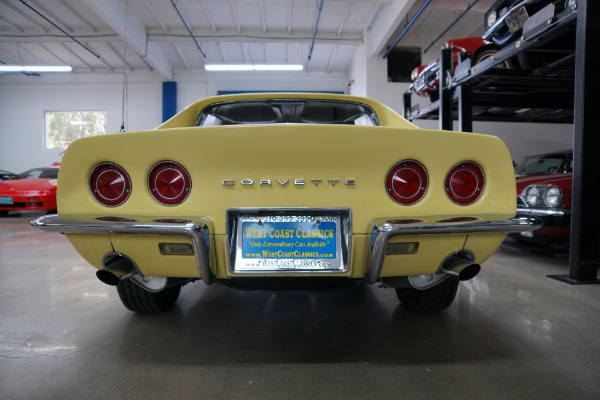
[
  {"x": 505, "y": 19},
  {"x": 544, "y": 185}
]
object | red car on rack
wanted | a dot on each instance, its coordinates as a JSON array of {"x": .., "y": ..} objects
[
  {"x": 544, "y": 184},
  {"x": 426, "y": 78},
  {"x": 32, "y": 190}
]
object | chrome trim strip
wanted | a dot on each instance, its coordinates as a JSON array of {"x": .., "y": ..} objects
[
  {"x": 487, "y": 35},
  {"x": 383, "y": 231},
  {"x": 195, "y": 232},
  {"x": 544, "y": 212}
]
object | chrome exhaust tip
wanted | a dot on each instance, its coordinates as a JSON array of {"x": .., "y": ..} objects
[
  {"x": 461, "y": 265},
  {"x": 115, "y": 269}
]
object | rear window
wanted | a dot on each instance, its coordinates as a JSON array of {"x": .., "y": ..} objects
[{"x": 300, "y": 111}]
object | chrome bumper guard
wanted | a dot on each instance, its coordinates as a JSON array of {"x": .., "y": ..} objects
[
  {"x": 196, "y": 232},
  {"x": 384, "y": 229}
]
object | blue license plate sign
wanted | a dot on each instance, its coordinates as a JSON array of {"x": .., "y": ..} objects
[
  {"x": 6, "y": 200},
  {"x": 293, "y": 243}
]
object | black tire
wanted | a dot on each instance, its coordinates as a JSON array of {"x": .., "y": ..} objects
[
  {"x": 142, "y": 301},
  {"x": 435, "y": 299},
  {"x": 486, "y": 53},
  {"x": 3, "y": 213}
]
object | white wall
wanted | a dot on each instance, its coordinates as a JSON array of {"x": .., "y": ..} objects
[{"x": 23, "y": 101}]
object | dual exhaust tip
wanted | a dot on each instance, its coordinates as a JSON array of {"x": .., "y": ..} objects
[
  {"x": 118, "y": 267},
  {"x": 461, "y": 266},
  {"x": 115, "y": 269}
]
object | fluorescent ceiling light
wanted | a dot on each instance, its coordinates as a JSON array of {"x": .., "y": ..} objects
[
  {"x": 251, "y": 67},
  {"x": 35, "y": 68}
]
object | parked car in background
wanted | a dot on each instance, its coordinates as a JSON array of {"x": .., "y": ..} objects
[
  {"x": 5, "y": 175},
  {"x": 426, "y": 78},
  {"x": 544, "y": 185},
  {"x": 505, "y": 21},
  {"x": 32, "y": 190},
  {"x": 286, "y": 191}
]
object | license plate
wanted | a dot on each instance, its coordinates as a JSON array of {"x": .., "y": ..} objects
[
  {"x": 6, "y": 200},
  {"x": 290, "y": 243},
  {"x": 527, "y": 234},
  {"x": 517, "y": 20}
]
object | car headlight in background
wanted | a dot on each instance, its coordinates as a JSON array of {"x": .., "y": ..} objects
[
  {"x": 543, "y": 196},
  {"x": 553, "y": 196},
  {"x": 490, "y": 19}
]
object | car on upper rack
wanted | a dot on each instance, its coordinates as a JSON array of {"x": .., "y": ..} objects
[
  {"x": 506, "y": 21},
  {"x": 544, "y": 184},
  {"x": 32, "y": 190},
  {"x": 5, "y": 175},
  {"x": 286, "y": 191},
  {"x": 426, "y": 78}
]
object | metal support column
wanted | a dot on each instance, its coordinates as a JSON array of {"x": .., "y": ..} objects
[
  {"x": 407, "y": 97},
  {"x": 445, "y": 90},
  {"x": 584, "y": 258},
  {"x": 169, "y": 97},
  {"x": 465, "y": 108}
]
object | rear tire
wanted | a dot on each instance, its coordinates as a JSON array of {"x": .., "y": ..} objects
[
  {"x": 142, "y": 301},
  {"x": 434, "y": 299}
]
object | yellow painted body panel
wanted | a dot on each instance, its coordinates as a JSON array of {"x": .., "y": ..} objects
[{"x": 278, "y": 153}]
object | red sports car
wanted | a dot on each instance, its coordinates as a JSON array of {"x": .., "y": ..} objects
[
  {"x": 426, "y": 78},
  {"x": 544, "y": 185},
  {"x": 30, "y": 191}
]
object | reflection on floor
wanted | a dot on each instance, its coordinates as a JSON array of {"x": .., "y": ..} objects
[{"x": 511, "y": 333}]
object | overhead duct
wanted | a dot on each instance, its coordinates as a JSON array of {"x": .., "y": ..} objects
[
  {"x": 406, "y": 28},
  {"x": 312, "y": 46}
]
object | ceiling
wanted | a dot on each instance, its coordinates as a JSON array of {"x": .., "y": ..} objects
[{"x": 152, "y": 35}]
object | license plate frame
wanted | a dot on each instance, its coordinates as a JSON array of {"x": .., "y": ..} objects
[
  {"x": 517, "y": 19},
  {"x": 6, "y": 200},
  {"x": 289, "y": 241}
]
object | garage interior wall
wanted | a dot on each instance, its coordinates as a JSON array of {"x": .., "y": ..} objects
[{"x": 23, "y": 101}]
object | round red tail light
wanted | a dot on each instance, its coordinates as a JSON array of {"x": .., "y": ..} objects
[
  {"x": 407, "y": 182},
  {"x": 110, "y": 184},
  {"x": 465, "y": 182},
  {"x": 169, "y": 183}
]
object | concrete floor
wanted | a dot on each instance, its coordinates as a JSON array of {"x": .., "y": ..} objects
[{"x": 511, "y": 333}]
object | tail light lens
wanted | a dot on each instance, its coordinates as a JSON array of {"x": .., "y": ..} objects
[
  {"x": 169, "y": 183},
  {"x": 407, "y": 182},
  {"x": 465, "y": 183},
  {"x": 110, "y": 184}
]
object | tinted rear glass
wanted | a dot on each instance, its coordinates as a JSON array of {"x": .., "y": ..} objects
[{"x": 304, "y": 111}]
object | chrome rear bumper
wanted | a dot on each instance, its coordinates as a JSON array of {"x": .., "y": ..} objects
[
  {"x": 198, "y": 233},
  {"x": 384, "y": 229}
]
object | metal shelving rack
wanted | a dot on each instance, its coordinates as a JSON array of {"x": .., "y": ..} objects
[{"x": 559, "y": 92}]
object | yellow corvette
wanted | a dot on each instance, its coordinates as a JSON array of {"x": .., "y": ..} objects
[{"x": 286, "y": 191}]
